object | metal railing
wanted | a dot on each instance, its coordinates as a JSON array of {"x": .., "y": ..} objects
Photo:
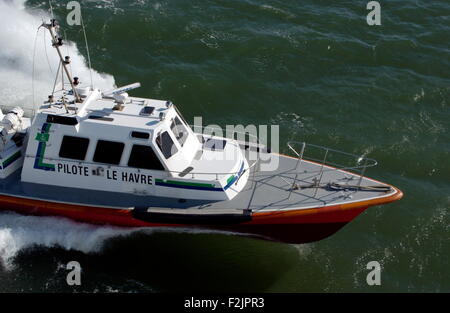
[
  {"x": 138, "y": 170},
  {"x": 360, "y": 165},
  {"x": 357, "y": 159}
]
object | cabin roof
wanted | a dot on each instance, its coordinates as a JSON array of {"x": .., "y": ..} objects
[
  {"x": 138, "y": 113},
  {"x": 132, "y": 115}
]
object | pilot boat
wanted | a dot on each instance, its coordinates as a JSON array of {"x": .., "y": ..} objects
[{"x": 105, "y": 157}]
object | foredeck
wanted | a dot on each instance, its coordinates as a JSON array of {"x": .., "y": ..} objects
[{"x": 295, "y": 185}]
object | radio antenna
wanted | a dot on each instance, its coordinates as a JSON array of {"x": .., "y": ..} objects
[
  {"x": 87, "y": 49},
  {"x": 51, "y": 8}
]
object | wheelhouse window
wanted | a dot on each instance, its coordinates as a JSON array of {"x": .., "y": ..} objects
[
  {"x": 179, "y": 130},
  {"x": 74, "y": 148},
  {"x": 144, "y": 157},
  {"x": 166, "y": 144},
  {"x": 108, "y": 152}
]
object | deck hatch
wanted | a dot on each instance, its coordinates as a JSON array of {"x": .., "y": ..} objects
[{"x": 147, "y": 110}]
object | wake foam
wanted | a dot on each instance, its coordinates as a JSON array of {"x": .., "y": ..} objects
[
  {"x": 17, "y": 39},
  {"x": 19, "y": 232}
]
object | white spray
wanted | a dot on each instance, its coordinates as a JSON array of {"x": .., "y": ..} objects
[
  {"x": 18, "y": 27},
  {"x": 18, "y": 232},
  {"x": 21, "y": 232}
]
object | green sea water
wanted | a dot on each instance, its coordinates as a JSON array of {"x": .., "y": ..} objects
[{"x": 317, "y": 69}]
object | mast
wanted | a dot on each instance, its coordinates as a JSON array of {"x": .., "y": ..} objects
[{"x": 57, "y": 43}]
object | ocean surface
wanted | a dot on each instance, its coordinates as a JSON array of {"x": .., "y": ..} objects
[{"x": 314, "y": 67}]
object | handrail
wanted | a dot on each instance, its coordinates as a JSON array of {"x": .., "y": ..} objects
[
  {"x": 130, "y": 167},
  {"x": 234, "y": 132},
  {"x": 323, "y": 163},
  {"x": 368, "y": 162},
  {"x": 372, "y": 163}
]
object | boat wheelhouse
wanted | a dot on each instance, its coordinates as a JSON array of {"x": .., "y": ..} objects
[{"x": 113, "y": 142}]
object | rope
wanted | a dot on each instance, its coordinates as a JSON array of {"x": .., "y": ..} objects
[
  {"x": 68, "y": 54},
  {"x": 87, "y": 49},
  {"x": 33, "y": 72},
  {"x": 336, "y": 186},
  {"x": 46, "y": 54},
  {"x": 56, "y": 79},
  {"x": 363, "y": 188}
]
